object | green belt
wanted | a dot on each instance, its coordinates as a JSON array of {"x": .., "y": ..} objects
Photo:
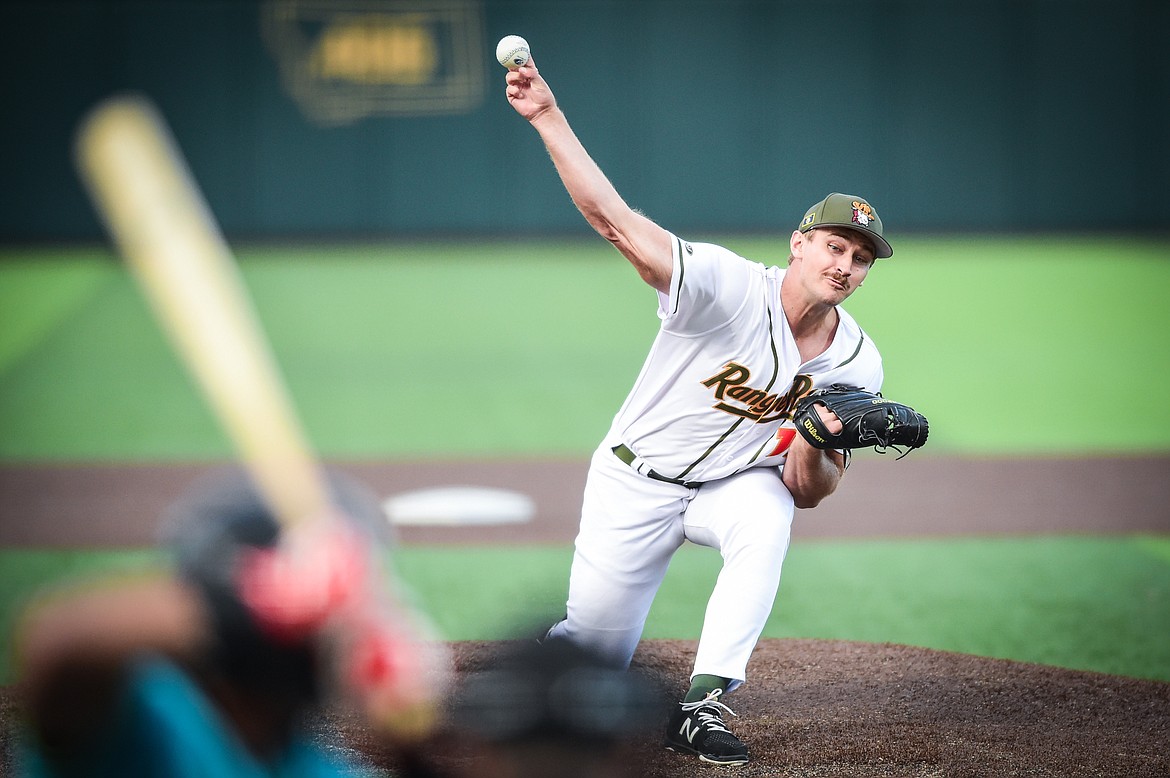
[{"x": 623, "y": 453}]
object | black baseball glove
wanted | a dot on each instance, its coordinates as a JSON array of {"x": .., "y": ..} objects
[{"x": 870, "y": 420}]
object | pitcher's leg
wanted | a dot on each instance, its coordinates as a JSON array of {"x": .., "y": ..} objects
[
  {"x": 749, "y": 519},
  {"x": 630, "y": 528}
]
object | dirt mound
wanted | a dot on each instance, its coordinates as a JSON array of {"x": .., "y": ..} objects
[{"x": 834, "y": 708}]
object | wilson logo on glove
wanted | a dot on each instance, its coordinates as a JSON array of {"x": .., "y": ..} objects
[{"x": 869, "y": 421}]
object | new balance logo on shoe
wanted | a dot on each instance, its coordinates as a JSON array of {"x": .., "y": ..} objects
[
  {"x": 698, "y": 728},
  {"x": 689, "y": 729}
]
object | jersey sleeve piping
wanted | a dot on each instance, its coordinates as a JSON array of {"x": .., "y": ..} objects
[{"x": 677, "y": 287}]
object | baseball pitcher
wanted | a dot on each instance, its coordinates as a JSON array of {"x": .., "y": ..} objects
[{"x": 730, "y": 426}]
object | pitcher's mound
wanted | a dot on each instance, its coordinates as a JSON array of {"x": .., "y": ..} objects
[{"x": 858, "y": 710}]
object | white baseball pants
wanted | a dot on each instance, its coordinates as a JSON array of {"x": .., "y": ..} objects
[{"x": 631, "y": 526}]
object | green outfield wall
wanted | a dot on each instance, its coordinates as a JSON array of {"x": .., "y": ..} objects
[{"x": 359, "y": 117}]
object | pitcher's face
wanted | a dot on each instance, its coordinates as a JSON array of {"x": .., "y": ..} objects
[{"x": 831, "y": 261}]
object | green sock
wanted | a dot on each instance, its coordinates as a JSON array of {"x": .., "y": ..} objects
[{"x": 702, "y": 685}]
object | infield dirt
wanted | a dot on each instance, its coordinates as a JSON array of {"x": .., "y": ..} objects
[{"x": 117, "y": 505}]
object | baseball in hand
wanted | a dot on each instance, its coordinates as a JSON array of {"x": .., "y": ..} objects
[{"x": 512, "y": 51}]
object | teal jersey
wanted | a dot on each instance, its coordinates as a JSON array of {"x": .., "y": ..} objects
[{"x": 164, "y": 725}]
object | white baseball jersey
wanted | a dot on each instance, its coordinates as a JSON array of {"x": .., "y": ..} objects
[{"x": 716, "y": 393}]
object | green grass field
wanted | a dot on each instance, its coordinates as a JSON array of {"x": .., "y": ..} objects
[
  {"x": 1091, "y": 603},
  {"x": 1012, "y": 347},
  {"x": 435, "y": 349}
]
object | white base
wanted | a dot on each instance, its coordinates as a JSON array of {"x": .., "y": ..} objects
[{"x": 459, "y": 506}]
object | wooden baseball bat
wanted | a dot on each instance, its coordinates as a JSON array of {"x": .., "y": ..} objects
[
  {"x": 158, "y": 218},
  {"x": 160, "y": 222}
]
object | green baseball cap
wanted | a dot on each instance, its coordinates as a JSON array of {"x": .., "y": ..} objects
[{"x": 842, "y": 210}]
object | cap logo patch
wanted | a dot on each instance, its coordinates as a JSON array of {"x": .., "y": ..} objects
[
  {"x": 862, "y": 213},
  {"x": 812, "y": 217}
]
